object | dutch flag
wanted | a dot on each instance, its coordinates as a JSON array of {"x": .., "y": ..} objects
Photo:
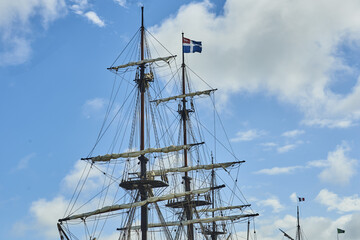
[{"x": 191, "y": 46}]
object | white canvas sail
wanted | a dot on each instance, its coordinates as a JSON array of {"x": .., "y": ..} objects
[
  {"x": 135, "y": 204},
  {"x": 224, "y": 208},
  {"x": 190, "y": 168},
  {"x": 198, "y": 93},
  {"x": 202, "y": 220},
  {"x": 171, "y": 148},
  {"x": 145, "y": 61}
]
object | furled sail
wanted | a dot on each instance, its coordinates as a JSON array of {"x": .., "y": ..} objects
[
  {"x": 201, "y": 220},
  {"x": 145, "y": 61},
  {"x": 138, "y": 204},
  {"x": 171, "y": 148},
  {"x": 190, "y": 168},
  {"x": 206, "y": 92},
  {"x": 224, "y": 208}
]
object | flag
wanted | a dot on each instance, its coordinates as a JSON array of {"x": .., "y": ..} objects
[
  {"x": 301, "y": 199},
  {"x": 191, "y": 46},
  {"x": 340, "y": 230}
]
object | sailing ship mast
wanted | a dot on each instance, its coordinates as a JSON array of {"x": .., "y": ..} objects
[
  {"x": 147, "y": 188},
  {"x": 143, "y": 160},
  {"x": 298, "y": 230},
  {"x": 184, "y": 115}
]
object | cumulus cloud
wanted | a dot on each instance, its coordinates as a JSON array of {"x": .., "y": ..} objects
[
  {"x": 284, "y": 48},
  {"x": 16, "y": 26},
  {"x": 315, "y": 227},
  {"x": 338, "y": 168},
  {"x": 71, "y": 180},
  {"x": 43, "y": 214},
  {"x": 341, "y": 204},
  {"x": 272, "y": 202},
  {"x": 248, "y": 135}
]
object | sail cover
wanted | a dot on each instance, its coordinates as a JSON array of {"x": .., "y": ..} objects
[
  {"x": 171, "y": 148},
  {"x": 206, "y": 92},
  {"x": 190, "y": 168},
  {"x": 202, "y": 220},
  {"x": 224, "y": 208},
  {"x": 137, "y": 204},
  {"x": 165, "y": 59}
]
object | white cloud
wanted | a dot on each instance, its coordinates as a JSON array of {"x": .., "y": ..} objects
[
  {"x": 285, "y": 48},
  {"x": 81, "y": 7},
  {"x": 319, "y": 228},
  {"x": 16, "y": 19},
  {"x": 71, "y": 180},
  {"x": 23, "y": 163},
  {"x": 294, "y": 197},
  {"x": 94, "y": 18},
  {"x": 286, "y": 148},
  {"x": 92, "y": 107},
  {"x": 338, "y": 168},
  {"x": 272, "y": 202},
  {"x": 293, "y": 133},
  {"x": 47, "y": 213},
  {"x": 44, "y": 215},
  {"x": 278, "y": 170},
  {"x": 269, "y": 144},
  {"x": 247, "y": 135},
  {"x": 334, "y": 202},
  {"x": 121, "y": 2}
]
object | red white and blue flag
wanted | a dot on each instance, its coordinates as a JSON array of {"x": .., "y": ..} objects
[
  {"x": 301, "y": 199},
  {"x": 191, "y": 46}
]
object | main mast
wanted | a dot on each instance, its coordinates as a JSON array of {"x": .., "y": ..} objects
[
  {"x": 184, "y": 116},
  {"x": 143, "y": 160}
]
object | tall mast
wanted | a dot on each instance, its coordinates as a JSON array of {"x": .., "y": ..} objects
[
  {"x": 184, "y": 115},
  {"x": 298, "y": 226},
  {"x": 142, "y": 158}
]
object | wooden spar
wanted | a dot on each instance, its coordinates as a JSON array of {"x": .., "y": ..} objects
[
  {"x": 202, "y": 220},
  {"x": 142, "y": 158},
  {"x": 248, "y": 230},
  {"x": 108, "y": 157},
  {"x": 298, "y": 233},
  {"x": 184, "y": 114},
  {"x": 286, "y": 235},
  {"x": 117, "y": 207},
  {"x": 62, "y": 233}
]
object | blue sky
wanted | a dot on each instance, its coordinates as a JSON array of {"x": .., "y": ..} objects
[{"x": 289, "y": 93}]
